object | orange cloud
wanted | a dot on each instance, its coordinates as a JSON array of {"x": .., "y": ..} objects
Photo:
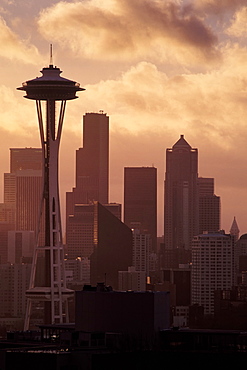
[
  {"x": 13, "y": 48},
  {"x": 238, "y": 25}
]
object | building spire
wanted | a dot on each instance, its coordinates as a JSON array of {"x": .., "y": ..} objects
[
  {"x": 51, "y": 56},
  {"x": 234, "y": 230}
]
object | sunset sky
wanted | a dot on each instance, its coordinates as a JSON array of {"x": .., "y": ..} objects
[{"x": 158, "y": 68}]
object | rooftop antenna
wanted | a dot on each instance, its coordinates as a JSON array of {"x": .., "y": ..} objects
[{"x": 51, "y": 58}]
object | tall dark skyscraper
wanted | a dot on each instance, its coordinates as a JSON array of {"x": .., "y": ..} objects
[
  {"x": 140, "y": 200},
  {"x": 181, "y": 196},
  {"x": 92, "y": 185},
  {"x": 92, "y": 161},
  {"x": 92, "y": 164}
]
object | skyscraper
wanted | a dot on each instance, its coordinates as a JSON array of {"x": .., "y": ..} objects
[
  {"x": 181, "y": 196},
  {"x": 140, "y": 200},
  {"x": 92, "y": 163},
  {"x": 92, "y": 184}
]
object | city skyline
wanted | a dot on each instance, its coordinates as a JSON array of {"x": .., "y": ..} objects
[{"x": 187, "y": 82}]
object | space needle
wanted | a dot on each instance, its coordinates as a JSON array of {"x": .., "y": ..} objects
[{"x": 51, "y": 92}]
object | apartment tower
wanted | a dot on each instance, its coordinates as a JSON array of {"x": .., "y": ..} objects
[{"x": 212, "y": 267}]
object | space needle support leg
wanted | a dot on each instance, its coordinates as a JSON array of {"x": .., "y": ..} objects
[
  {"x": 56, "y": 273},
  {"x": 35, "y": 253}
]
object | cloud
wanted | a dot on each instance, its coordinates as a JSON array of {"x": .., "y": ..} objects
[
  {"x": 129, "y": 30},
  {"x": 238, "y": 25},
  {"x": 13, "y": 48},
  {"x": 144, "y": 97}
]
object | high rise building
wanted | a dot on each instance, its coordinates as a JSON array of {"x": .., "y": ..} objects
[
  {"x": 140, "y": 200},
  {"x": 181, "y": 196},
  {"x": 209, "y": 206},
  {"x": 212, "y": 267},
  {"x": 92, "y": 163},
  {"x": 92, "y": 184}
]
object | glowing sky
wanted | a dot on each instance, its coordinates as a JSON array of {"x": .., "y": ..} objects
[{"x": 158, "y": 68}]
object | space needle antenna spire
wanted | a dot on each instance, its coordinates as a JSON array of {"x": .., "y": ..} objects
[
  {"x": 51, "y": 56},
  {"x": 50, "y": 92}
]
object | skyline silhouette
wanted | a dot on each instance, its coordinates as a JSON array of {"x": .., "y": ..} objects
[{"x": 187, "y": 75}]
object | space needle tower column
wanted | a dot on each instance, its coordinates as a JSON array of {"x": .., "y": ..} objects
[{"x": 50, "y": 91}]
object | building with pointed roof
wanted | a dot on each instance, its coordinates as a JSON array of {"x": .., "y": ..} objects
[
  {"x": 234, "y": 230},
  {"x": 181, "y": 196}
]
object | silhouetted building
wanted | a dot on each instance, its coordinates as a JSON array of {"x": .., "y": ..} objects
[
  {"x": 136, "y": 313},
  {"x": 112, "y": 247},
  {"x": 140, "y": 200},
  {"x": 181, "y": 279},
  {"x": 181, "y": 196},
  {"x": 178, "y": 283},
  {"x": 230, "y": 308},
  {"x": 209, "y": 206}
]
